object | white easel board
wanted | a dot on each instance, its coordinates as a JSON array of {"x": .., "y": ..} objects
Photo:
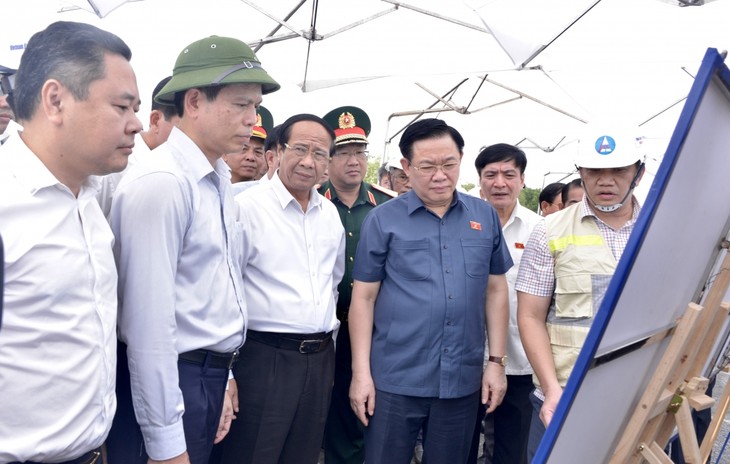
[{"x": 667, "y": 261}]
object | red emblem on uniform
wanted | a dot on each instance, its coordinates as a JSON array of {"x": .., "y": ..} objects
[
  {"x": 475, "y": 225},
  {"x": 519, "y": 246}
]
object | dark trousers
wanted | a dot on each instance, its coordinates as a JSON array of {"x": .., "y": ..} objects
[
  {"x": 283, "y": 396},
  {"x": 447, "y": 428},
  {"x": 202, "y": 388},
  {"x": 537, "y": 428},
  {"x": 343, "y": 434},
  {"x": 511, "y": 423}
]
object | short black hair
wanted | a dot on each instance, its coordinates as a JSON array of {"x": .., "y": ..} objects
[
  {"x": 567, "y": 187},
  {"x": 168, "y": 111},
  {"x": 429, "y": 128},
  {"x": 550, "y": 192},
  {"x": 272, "y": 138},
  {"x": 285, "y": 128},
  {"x": 500, "y": 152},
  {"x": 72, "y": 53}
]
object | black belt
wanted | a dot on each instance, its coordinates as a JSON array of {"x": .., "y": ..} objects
[
  {"x": 92, "y": 457},
  {"x": 215, "y": 360},
  {"x": 303, "y": 343}
]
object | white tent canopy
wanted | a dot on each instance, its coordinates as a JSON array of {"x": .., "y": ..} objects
[{"x": 627, "y": 59}]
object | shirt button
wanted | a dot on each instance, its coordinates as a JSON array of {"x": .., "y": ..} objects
[
  {"x": 449, "y": 323},
  {"x": 349, "y": 234},
  {"x": 351, "y": 258},
  {"x": 445, "y": 247},
  {"x": 448, "y": 271},
  {"x": 451, "y": 297},
  {"x": 446, "y": 350}
]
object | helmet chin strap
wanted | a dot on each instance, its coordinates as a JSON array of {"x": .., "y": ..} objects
[{"x": 614, "y": 207}]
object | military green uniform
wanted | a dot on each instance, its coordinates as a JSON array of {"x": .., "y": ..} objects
[{"x": 343, "y": 441}]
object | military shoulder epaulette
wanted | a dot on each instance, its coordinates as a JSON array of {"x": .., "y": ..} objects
[{"x": 384, "y": 190}]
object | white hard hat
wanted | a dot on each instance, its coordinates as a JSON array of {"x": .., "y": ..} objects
[
  {"x": 394, "y": 162},
  {"x": 601, "y": 147}
]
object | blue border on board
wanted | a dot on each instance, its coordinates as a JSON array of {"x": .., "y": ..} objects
[{"x": 712, "y": 65}]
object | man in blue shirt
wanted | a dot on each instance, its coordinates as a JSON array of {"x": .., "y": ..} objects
[{"x": 428, "y": 264}]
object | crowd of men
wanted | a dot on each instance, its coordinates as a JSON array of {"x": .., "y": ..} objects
[{"x": 220, "y": 289}]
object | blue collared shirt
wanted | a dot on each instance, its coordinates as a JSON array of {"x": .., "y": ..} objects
[{"x": 429, "y": 321}]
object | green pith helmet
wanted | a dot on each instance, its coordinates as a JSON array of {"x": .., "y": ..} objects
[
  {"x": 215, "y": 61},
  {"x": 264, "y": 123},
  {"x": 350, "y": 123}
]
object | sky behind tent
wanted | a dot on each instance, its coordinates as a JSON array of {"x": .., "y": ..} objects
[{"x": 625, "y": 59}]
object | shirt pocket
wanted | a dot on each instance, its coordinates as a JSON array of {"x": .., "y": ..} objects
[
  {"x": 410, "y": 258},
  {"x": 573, "y": 296},
  {"x": 477, "y": 255}
]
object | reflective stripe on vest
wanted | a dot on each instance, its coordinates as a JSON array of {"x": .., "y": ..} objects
[{"x": 583, "y": 261}]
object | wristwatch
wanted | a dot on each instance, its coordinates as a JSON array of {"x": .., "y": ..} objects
[{"x": 501, "y": 360}]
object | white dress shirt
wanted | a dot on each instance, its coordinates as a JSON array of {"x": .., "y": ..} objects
[
  {"x": 178, "y": 252},
  {"x": 516, "y": 232},
  {"x": 58, "y": 336},
  {"x": 109, "y": 183},
  {"x": 292, "y": 261}
]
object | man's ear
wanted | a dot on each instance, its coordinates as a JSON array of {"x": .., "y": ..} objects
[
  {"x": 52, "y": 101},
  {"x": 192, "y": 101},
  {"x": 405, "y": 165},
  {"x": 155, "y": 117}
]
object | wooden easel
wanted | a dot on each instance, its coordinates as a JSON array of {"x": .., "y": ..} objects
[{"x": 677, "y": 386}]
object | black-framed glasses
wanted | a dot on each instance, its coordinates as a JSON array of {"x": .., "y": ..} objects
[{"x": 301, "y": 151}]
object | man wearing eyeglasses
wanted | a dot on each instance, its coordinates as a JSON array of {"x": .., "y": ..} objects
[
  {"x": 398, "y": 177},
  {"x": 354, "y": 199},
  {"x": 293, "y": 247},
  {"x": 429, "y": 275},
  {"x": 249, "y": 164}
]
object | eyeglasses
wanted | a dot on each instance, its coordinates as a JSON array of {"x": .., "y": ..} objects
[
  {"x": 301, "y": 151},
  {"x": 359, "y": 154},
  {"x": 401, "y": 177},
  {"x": 430, "y": 169}
]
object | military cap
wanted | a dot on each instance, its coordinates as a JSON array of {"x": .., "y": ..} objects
[
  {"x": 264, "y": 123},
  {"x": 215, "y": 61},
  {"x": 350, "y": 123}
]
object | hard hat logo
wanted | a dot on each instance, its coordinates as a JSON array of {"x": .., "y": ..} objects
[{"x": 605, "y": 145}]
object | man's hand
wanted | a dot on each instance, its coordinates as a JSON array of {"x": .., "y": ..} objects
[
  {"x": 494, "y": 386},
  {"x": 224, "y": 425},
  {"x": 362, "y": 398},
  {"x": 549, "y": 405},
  {"x": 181, "y": 459},
  {"x": 233, "y": 393}
]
